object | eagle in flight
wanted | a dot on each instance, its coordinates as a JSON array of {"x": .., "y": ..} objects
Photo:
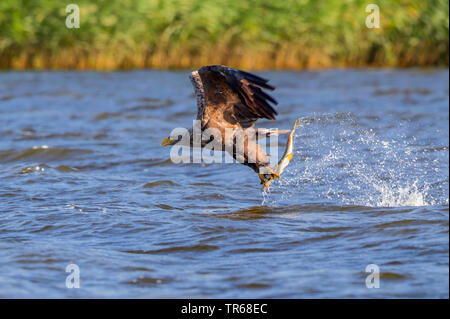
[{"x": 231, "y": 100}]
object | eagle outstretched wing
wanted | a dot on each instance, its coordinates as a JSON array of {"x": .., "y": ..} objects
[{"x": 237, "y": 94}]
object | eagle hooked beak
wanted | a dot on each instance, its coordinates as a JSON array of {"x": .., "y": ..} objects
[{"x": 167, "y": 141}]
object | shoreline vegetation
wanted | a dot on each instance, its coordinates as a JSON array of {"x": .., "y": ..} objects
[{"x": 255, "y": 34}]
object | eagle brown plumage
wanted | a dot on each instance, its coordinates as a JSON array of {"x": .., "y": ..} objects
[{"x": 233, "y": 100}]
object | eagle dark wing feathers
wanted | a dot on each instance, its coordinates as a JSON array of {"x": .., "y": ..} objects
[
  {"x": 254, "y": 78},
  {"x": 248, "y": 88},
  {"x": 254, "y": 102}
]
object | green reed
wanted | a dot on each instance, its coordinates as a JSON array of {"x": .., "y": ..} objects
[{"x": 249, "y": 34}]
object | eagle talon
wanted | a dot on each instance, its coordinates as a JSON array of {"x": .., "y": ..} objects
[
  {"x": 271, "y": 173},
  {"x": 262, "y": 178},
  {"x": 265, "y": 179}
]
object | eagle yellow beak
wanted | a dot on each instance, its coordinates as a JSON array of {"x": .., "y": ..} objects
[{"x": 166, "y": 142}]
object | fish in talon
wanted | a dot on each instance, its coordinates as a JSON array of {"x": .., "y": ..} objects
[{"x": 287, "y": 156}]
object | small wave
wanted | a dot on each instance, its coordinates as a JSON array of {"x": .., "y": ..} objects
[
  {"x": 106, "y": 115},
  {"x": 146, "y": 281},
  {"x": 65, "y": 169},
  {"x": 167, "y": 207},
  {"x": 31, "y": 169},
  {"x": 213, "y": 196},
  {"x": 418, "y": 91},
  {"x": 40, "y": 153},
  {"x": 151, "y": 104},
  {"x": 159, "y": 183},
  {"x": 254, "y": 285},
  {"x": 175, "y": 249}
]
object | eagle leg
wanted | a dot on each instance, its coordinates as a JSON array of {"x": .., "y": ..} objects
[
  {"x": 268, "y": 178},
  {"x": 264, "y": 180}
]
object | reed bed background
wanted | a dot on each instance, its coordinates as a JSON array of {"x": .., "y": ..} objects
[{"x": 255, "y": 34}]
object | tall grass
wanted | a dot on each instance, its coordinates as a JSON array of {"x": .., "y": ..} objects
[{"x": 250, "y": 34}]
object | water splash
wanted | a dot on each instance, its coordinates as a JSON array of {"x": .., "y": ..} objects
[
  {"x": 341, "y": 160},
  {"x": 393, "y": 196}
]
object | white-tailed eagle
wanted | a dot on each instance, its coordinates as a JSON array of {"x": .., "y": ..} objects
[{"x": 231, "y": 100}]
